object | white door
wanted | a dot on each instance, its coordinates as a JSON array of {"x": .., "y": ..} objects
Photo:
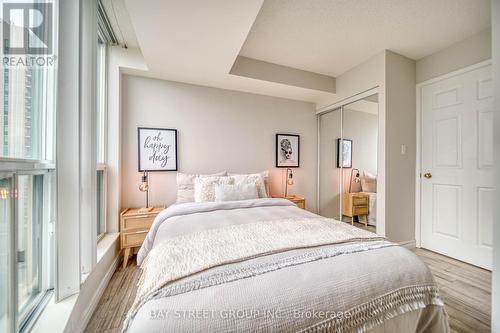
[{"x": 456, "y": 166}]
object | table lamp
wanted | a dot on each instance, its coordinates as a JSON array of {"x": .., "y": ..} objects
[{"x": 144, "y": 187}]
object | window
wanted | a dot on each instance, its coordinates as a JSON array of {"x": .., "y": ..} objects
[
  {"x": 26, "y": 204},
  {"x": 105, "y": 37},
  {"x": 101, "y": 102},
  {"x": 33, "y": 235},
  {"x": 6, "y": 185},
  {"x": 27, "y": 181}
]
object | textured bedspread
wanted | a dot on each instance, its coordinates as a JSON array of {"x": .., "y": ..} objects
[{"x": 284, "y": 270}]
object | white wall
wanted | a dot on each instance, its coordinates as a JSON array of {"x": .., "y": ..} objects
[
  {"x": 217, "y": 130},
  {"x": 470, "y": 51},
  {"x": 365, "y": 76},
  {"x": 362, "y": 129}
]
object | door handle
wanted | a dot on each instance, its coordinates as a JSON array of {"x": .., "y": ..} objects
[{"x": 428, "y": 175}]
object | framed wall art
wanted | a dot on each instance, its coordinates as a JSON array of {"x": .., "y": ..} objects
[
  {"x": 287, "y": 151},
  {"x": 157, "y": 149},
  {"x": 344, "y": 148}
]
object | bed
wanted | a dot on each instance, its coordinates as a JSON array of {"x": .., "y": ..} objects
[
  {"x": 265, "y": 265},
  {"x": 372, "y": 208}
]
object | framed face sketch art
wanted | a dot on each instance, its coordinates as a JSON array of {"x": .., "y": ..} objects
[
  {"x": 157, "y": 149},
  {"x": 344, "y": 153},
  {"x": 287, "y": 151}
]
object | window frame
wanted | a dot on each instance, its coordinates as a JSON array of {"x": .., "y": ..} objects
[
  {"x": 101, "y": 128},
  {"x": 23, "y": 321},
  {"x": 102, "y": 104},
  {"x": 41, "y": 161},
  {"x": 103, "y": 224}
]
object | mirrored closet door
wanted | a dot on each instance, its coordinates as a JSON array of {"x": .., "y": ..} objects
[{"x": 348, "y": 145}]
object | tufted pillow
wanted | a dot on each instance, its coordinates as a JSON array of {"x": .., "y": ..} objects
[
  {"x": 254, "y": 178},
  {"x": 204, "y": 187},
  {"x": 225, "y": 192},
  {"x": 185, "y": 185}
]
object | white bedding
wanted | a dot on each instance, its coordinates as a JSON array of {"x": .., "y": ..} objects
[
  {"x": 375, "y": 285},
  {"x": 180, "y": 219},
  {"x": 372, "y": 208}
]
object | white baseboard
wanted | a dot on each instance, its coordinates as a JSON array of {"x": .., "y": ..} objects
[
  {"x": 98, "y": 294},
  {"x": 411, "y": 244}
]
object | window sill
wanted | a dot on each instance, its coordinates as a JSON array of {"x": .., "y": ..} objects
[
  {"x": 105, "y": 244},
  {"x": 55, "y": 316}
]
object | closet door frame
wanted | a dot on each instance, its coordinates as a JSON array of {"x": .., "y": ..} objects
[{"x": 339, "y": 105}]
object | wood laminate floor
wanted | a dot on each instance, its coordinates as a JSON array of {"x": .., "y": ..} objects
[
  {"x": 466, "y": 291},
  {"x": 361, "y": 225}
]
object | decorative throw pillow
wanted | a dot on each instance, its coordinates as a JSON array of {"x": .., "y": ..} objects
[
  {"x": 185, "y": 185},
  {"x": 254, "y": 178},
  {"x": 225, "y": 192},
  {"x": 204, "y": 187},
  {"x": 369, "y": 183},
  {"x": 265, "y": 176}
]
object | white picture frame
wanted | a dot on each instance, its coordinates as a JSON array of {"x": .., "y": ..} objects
[{"x": 157, "y": 149}]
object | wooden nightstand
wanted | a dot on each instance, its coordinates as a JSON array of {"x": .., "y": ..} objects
[
  {"x": 355, "y": 204},
  {"x": 299, "y": 201},
  {"x": 134, "y": 226}
]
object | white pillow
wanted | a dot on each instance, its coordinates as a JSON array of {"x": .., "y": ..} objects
[
  {"x": 254, "y": 178},
  {"x": 204, "y": 187},
  {"x": 369, "y": 183},
  {"x": 225, "y": 192},
  {"x": 185, "y": 185}
]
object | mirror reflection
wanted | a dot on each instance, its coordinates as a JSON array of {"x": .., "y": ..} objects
[{"x": 348, "y": 163}]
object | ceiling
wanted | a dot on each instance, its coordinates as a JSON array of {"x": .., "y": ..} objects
[
  {"x": 332, "y": 36},
  {"x": 200, "y": 42}
]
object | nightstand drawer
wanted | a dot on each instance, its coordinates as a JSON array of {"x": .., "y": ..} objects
[
  {"x": 131, "y": 239},
  {"x": 360, "y": 210},
  {"x": 301, "y": 204},
  {"x": 299, "y": 201},
  {"x": 138, "y": 222},
  {"x": 359, "y": 201},
  {"x": 134, "y": 226}
]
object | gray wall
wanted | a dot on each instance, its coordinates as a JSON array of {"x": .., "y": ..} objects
[
  {"x": 400, "y": 101},
  {"x": 470, "y": 51},
  {"x": 217, "y": 130},
  {"x": 267, "y": 71}
]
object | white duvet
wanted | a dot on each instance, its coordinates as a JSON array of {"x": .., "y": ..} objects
[{"x": 373, "y": 284}]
